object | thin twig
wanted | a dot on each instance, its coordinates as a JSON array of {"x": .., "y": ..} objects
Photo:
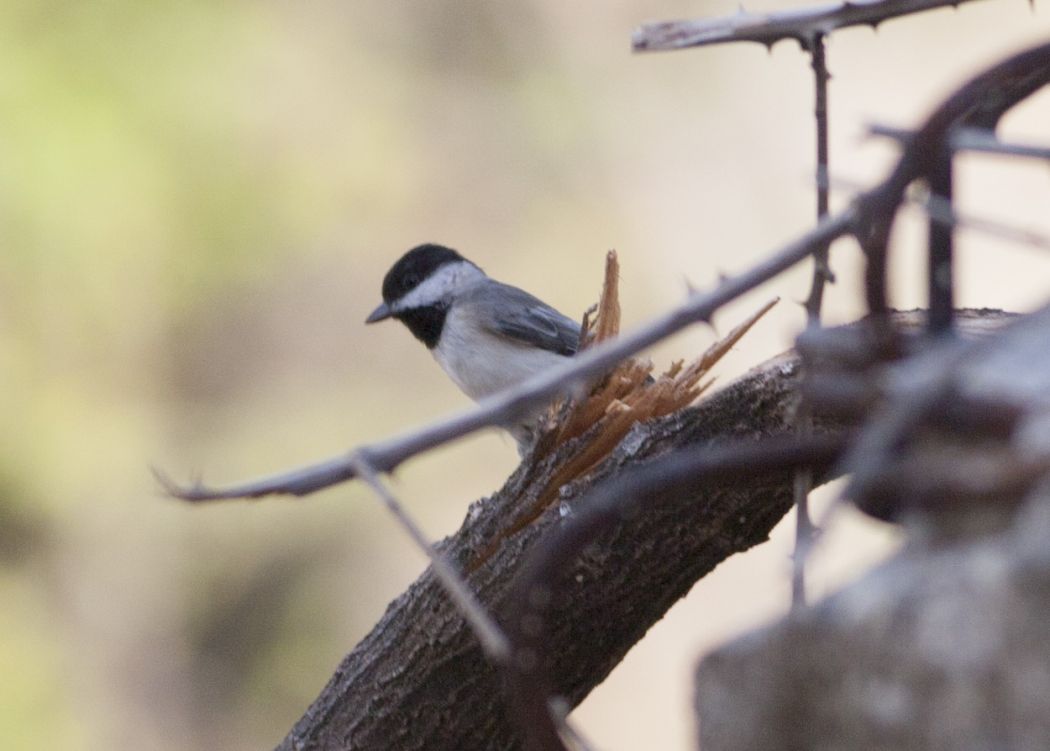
[
  {"x": 870, "y": 218},
  {"x": 502, "y": 408},
  {"x": 825, "y": 520},
  {"x": 969, "y": 138},
  {"x": 803, "y": 525},
  {"x": 984, "y": 141},
  {"x": 821, "y": 275},
  {"x": 948, "y": 214},
  {"x": 944, "y": 213},
  {"x": 821, "y": 270},
  {"x": 493, "y": 642}
]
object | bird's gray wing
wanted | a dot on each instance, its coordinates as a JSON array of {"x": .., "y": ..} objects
[{"x": 514, "y": 313}]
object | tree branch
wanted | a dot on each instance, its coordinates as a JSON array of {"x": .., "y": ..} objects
[
  {"x": 420, "y": 678},
  {"x": 970, "y": 138},
  {"x": 769, "y": 28},
  {"x": 492, "y": 640},
  {"x": 982, "y": 100},
  {"x": 544, "y": 580}
]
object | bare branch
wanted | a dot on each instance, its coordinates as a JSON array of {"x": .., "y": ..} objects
[
  {"x": 963, "y": 138},
  {"x": 542, "y": 581},
  {"x": 940, "y": 246},
  {"x": 821, "y": 270},
  {"x": 942, "y": 211},
  {"x": 447, "y": 692},
  {"x": 821, "y": 275},
  {"x": 495, "y": 644},
  {"x": 769, "y": 28},
  {"x": 984, "y": 141},
  {"x": 984, "y": 98},
  {"x": 503, "y": 408}
]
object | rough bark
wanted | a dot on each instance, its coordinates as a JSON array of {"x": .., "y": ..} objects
[{"x": 419, "y": 679}]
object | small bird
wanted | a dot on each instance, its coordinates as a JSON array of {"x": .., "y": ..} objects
[{"x": 486, "y": 335}]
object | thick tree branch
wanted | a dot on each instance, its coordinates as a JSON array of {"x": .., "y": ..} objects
[
  {"x": 545, "y": 578},
  {"x": 492, "y": 640},
  {"x": 420, "y": 678}
]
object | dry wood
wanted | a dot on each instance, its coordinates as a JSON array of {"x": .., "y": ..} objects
[{"x": 420, "y": 679}]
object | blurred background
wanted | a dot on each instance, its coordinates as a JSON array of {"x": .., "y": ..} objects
[{"x": 197, "y": 204}]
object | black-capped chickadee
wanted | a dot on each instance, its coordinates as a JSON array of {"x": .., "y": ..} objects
[{"x": 486, "y": 335}]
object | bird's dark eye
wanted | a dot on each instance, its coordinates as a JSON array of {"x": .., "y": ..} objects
[{"x": 411, "y": 280}]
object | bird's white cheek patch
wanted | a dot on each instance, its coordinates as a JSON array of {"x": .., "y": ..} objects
[{"x": 440, "y": 285}]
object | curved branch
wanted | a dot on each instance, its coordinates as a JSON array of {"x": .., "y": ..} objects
[
  {"x": 984, "y": 98},
  {"x": 544, "y": 577}
]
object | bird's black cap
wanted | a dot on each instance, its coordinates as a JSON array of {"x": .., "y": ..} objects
[{"x": 415, "y": 266}]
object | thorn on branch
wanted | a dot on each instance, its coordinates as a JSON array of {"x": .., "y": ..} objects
[{"x": 769, "y": 28}]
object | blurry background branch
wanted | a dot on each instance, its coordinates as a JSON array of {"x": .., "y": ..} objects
[
  {"x": 961, "y": 454},
  {"x": 978, "y": 139},
  {"x": 810, "y": 27},
  {"x": 801, "y": 25}
]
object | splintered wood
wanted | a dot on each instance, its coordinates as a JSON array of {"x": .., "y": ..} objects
[
  {"x": 582, "y": 432},
  {"x": 630, "y": 393}
]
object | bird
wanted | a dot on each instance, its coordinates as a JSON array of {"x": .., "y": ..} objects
[{"x": 486, "y": 335}]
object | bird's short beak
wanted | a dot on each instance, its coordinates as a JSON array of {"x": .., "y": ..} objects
[{"x": 380, "y": 313}]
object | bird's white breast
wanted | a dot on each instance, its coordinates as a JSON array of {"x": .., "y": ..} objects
[{"x": 482, "y": 363}]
